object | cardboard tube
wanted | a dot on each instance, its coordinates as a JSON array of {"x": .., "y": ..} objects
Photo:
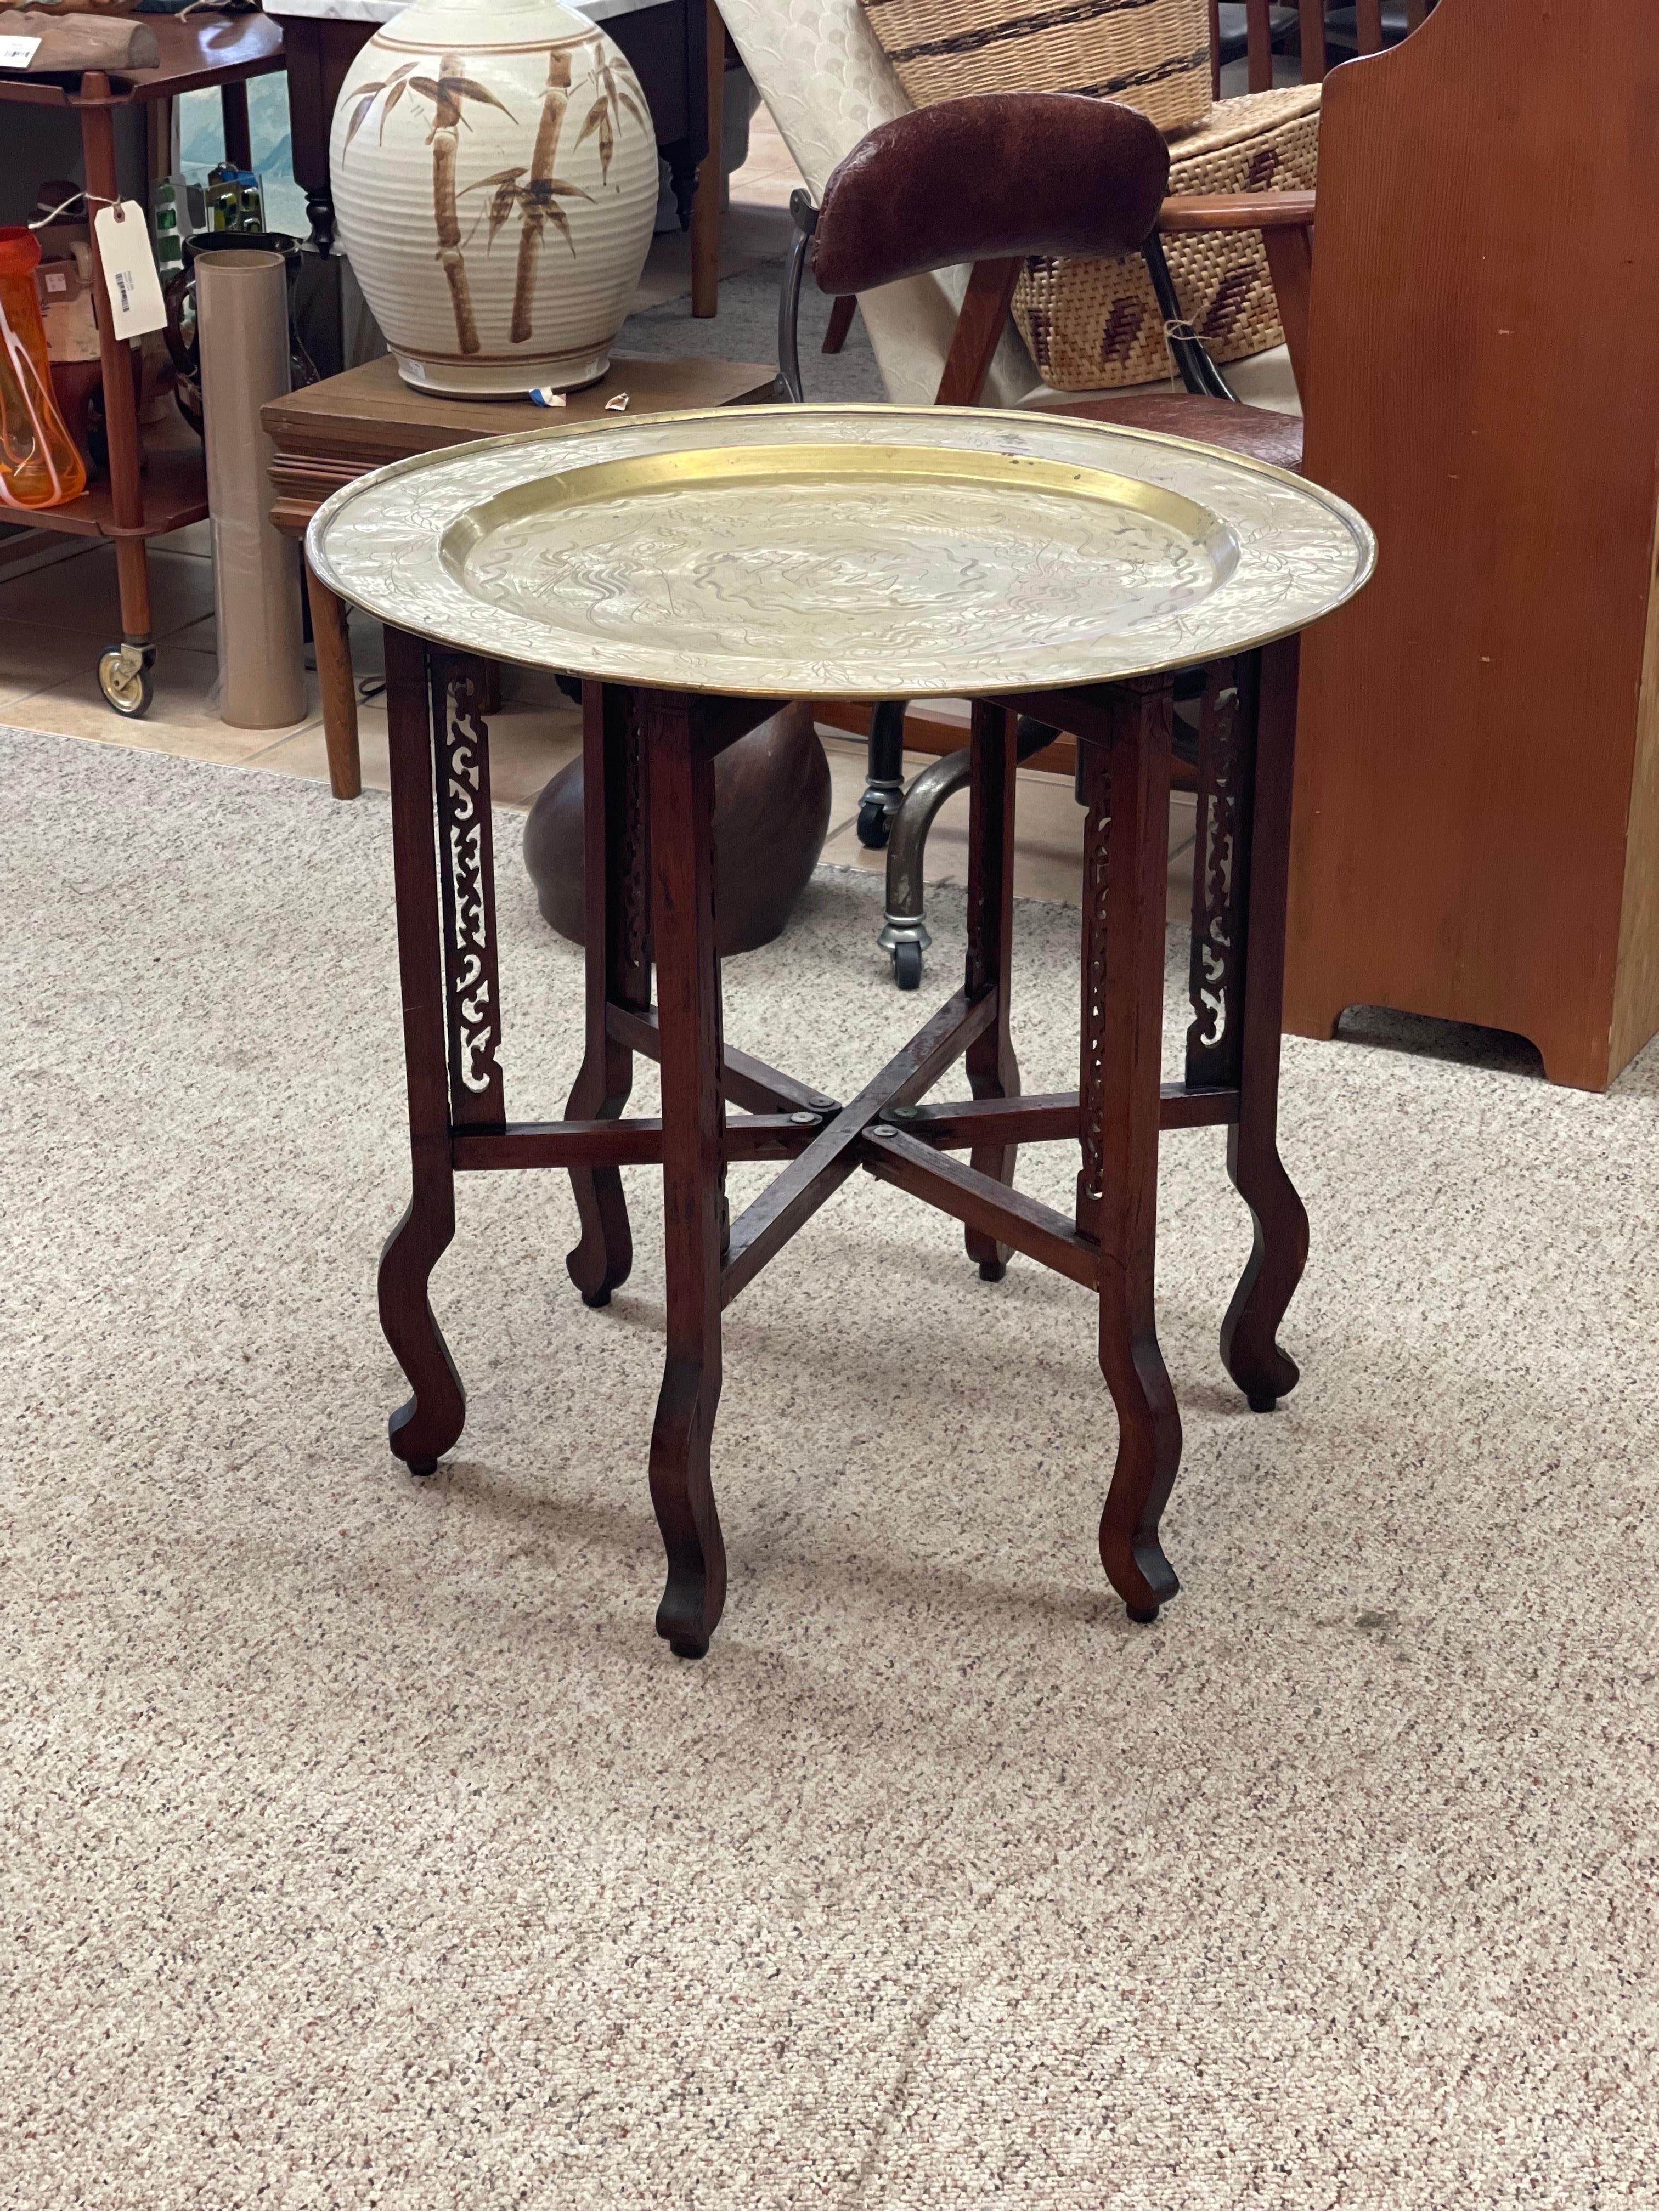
[{"x": 241, "y": 309}]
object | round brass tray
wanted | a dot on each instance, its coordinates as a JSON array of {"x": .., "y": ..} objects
[{"x": 850, "y": 552}]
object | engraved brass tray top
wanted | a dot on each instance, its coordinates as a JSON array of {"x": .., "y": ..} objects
[{"x": 843, "y": 552}]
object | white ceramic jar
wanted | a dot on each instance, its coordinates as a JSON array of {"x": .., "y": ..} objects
[{"x": 494, "y": 176}]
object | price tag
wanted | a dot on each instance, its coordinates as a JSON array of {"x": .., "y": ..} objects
[
  {"x": 18, "y": 53},
  {"x": 135, "y": 291}
]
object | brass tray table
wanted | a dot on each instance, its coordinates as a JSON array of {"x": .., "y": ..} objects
[{"x": 696, "y": 569}]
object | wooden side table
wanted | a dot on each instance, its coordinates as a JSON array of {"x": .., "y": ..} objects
[
  {"x": 889, "y": 552},
  {"x": 331, "y": 432}
]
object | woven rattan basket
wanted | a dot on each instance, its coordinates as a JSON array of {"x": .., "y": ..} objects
[
  {"x": 1092, "y": 324},
  {"x": 1153, "y": 54}
]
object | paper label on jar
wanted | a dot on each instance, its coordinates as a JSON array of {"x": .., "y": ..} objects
[
  {"x": 135, "y": 291},
  {"x": 18, "y": 53}
]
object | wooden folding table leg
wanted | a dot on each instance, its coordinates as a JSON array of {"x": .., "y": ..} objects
[
  {"x": 425, "y": 1427},
  {"x": 680, "y": 772},
  {"x": 1126, "y": 790},
  {"x": 337, "y": 683},
  {"x": 1279, "y": 1252},
  {"x": 615, "y": 869},
  {"x": 992, "y": 1071}
]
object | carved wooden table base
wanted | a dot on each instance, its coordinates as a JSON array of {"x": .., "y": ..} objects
[{"x": 649, "y": 758}]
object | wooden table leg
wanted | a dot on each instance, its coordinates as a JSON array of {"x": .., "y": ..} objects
[
  {"x": 680, "y": 770},
  {"x": 1279, "y": 1252},
  {"x": 239, "y": 141},
  {"x": 617, "y": 859},
  {"x": 841, "y": 322},
  {"x": 1125, "y": 789},
  {"x": 428, "y": 1423},
  {"x": 337, "y": 684},
  {"x": 706, "y": 208},
  {"x": 991, "y": 1069},
  {"x": 115, "y": 358}
]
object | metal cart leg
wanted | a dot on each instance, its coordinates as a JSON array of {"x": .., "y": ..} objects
[
  {"x": 125, "y": 671},
  {"x": 883, "y": 787},
  {"x": 903, "y": 934}
]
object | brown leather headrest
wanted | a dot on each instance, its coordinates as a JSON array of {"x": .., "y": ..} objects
[{"x": 997, "y": 174}]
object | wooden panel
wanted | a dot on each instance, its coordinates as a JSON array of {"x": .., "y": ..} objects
[
  {"x": 1636, "y": 987},
  {"x": 1482, "y": 385}
]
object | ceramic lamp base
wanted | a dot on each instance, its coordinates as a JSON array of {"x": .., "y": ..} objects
[{"x": 502, "y": 380}]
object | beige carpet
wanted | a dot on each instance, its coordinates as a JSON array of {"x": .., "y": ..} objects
[{"x": 365, "y": 1847}]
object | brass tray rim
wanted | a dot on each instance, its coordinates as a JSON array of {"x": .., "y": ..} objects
[{"x": 1364, "y": 538}]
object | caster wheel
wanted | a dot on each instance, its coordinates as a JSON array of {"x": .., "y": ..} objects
[
  {"x": 874, "y": 821},
  {"x": 126, "y": 679},
  {"x": 907, "y": 967},
  {"x": 1263, "y": 1401},
  {"x": 421, "y": 1467},
  {"x": 1146, "y": 1614}
]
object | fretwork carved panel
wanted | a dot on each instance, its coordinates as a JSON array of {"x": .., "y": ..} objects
[
  {"x": 1220, "y": 867},
  {"x": 1094, "y": 786},
  {"x": 466, "y": 871}
]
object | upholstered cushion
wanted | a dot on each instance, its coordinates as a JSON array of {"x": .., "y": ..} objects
[
  {"x": 980, "y": 179},
  {"x": 1256, "y": 432}
]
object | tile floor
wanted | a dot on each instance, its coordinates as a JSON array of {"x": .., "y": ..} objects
[{"x": 56, "y": 618}]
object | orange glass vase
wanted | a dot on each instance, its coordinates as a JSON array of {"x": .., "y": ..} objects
[{"x": 40, "y": 466}]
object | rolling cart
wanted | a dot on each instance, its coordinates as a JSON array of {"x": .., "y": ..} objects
[{"x": 138, "y": 501}]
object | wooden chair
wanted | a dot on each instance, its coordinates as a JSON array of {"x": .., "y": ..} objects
[
  {"x": 1257, "y": 30},
  {"x": 1477, "y": 811}
]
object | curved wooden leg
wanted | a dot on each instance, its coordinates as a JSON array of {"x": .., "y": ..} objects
[
  {"x": 1126, "y": 861},
  {"x": 1279, "y": 1254},
  {"x": 993, "y": 1070},
  {"x": 1279, "y": 1251},
  {"x": 680, "y": 774},
  {"x": 615, "y": 863},
  {"x": 431, "y": 1419},
  {"x": 423, "y": 1429}
]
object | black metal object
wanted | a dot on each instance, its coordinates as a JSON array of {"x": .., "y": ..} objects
[
  {"x": 806, "y": 221},
  {"x": 1187, "y": 349}
]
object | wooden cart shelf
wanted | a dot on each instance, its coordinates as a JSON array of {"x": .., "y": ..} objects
[
  {"x": 196, "y": 55},
  {"x": 174, "y": 493}
]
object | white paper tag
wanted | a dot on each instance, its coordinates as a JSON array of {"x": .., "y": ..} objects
[
  {"x": 135, "y": 291},
  {"x": 18, "y": 53}
]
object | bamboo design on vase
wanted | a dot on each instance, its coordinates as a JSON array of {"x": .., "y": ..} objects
[
  {"x": 534, "y": 191},
  {"x": 447, "y": 92},
  {"x": 535, "y": 195}
]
